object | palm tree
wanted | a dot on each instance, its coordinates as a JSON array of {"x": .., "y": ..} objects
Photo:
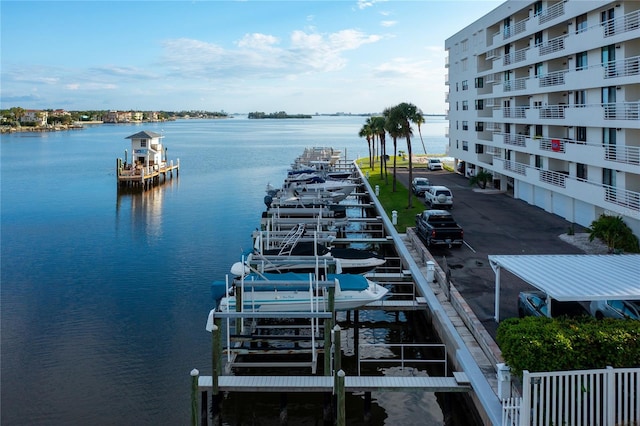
[
  {"x": 393, "y": 128},
  {"x": 366, "y": 132},
  {"x": 481, "y": 179},
  {"x": 420, "y": 121},
  {"x": 405, "y": 114},
  {"x": 377, "y": 126}
]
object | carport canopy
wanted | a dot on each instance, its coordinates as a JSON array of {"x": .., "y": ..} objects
[{"x": 580, "y": 277}]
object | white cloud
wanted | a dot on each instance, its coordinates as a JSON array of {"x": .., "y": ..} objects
[
  {"x": 264, "y": 56},
  {"x": 388, "y": 24},
  {"x": 257, "y": 41}
]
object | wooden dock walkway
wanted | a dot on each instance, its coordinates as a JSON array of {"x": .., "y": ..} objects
[
  {"x": 458, "y": 383},
  {"x": 145, "y": 177}
]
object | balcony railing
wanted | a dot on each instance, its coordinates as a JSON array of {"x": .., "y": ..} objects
[
  {"x": 493, "y": 54},
  {"x": 493, "y": 127},
  {"x": 622, "y": 111},
  {"x": 621, "y": 197},
  {"x": 552, "y": 111},
  {"x": 517, "y": 84},
  {"x": 515, "y": 112},
  {"x": 514, "y": 140},
  {"x": 551, "y": 12},
  {"x": 517, "y": 28},
  {"x": 518, "y": 168},
  {"x": 552, "y": 79},
  {"x": 553, "y": 178},
  {"x": 552, "y": 45},
  {"x": 553, "y": 144},
  {"x": 515, "y": 57},
  {"x": 622, "y": 68},
  {"x": 628, "y": 22},
  {"x": 622, "y": 154}
]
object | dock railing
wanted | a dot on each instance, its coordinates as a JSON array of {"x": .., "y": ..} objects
[{"x": 402, "y": 360}]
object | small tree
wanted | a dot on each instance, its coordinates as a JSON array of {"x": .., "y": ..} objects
[
  {"x": 481, "y": 178},
  {"x": 614, "y": 233}
]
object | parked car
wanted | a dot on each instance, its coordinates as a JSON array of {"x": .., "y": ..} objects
[
  {"x": 435, "y": 164},
  {"x": 534, "y": 303},
  {"x": 439, "y": 196},
  {"x": 419, "y": 185},
  {"x": 622, "y": 309},
  {"x": 437, "y": 227}
]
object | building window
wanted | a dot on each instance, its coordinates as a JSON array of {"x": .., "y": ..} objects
[
  {"x": 606, "y": 19},
  {"x": 581, "y": 61},
  {"x": 479, "y": 104},
  {"x": 537, "y": 39},
  {"x": 465, "y": 125},
  {"x": 457, "y": 128},
  {"x": 465, "y": 45},
  {"x": 538, "y": 162},
  {"x": 479, "y": 126},
  {"x": 479, "y": 82},
  {"x": 143, "y": 143},
  {"x": 608, "y": 54},
  {"x": 465, "y": 146},
  {"x": 464, "y": 64},
  {"x": 580, "y": 98},
  {"x": 465, "y": 105},
  {"x": 507, "y": 27},
  {"x": 538, "y": 69},
  {"x": 457, "y": 86},
  {"x": 465, "y": 85},
  {"x": 608, "y": 177},
  {"x": 581, "y": 23},
  {"x": 581, "y": 134},
  {"x": 538, "y": 130},
  {"x": 609, "y": 95},
  {"x": 456, "y": 105},
  {"x": 479, "y": 148},
  {"x": 581, "y": 171},
  {"x": 609, "y": 142},
  {"x": 537, "y": 8}
]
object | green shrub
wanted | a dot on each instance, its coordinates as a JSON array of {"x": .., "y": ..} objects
[
  {"x": 614, "y": 233},
  {"x": 555, "y": 344}
]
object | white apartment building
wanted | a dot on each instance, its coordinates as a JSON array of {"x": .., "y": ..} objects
[{"x": 545, "y": 96}]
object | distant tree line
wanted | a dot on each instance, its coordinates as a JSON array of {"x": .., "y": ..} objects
[
  {"x": 11, "y": 117},
  {"x": 280, "y": 114}
]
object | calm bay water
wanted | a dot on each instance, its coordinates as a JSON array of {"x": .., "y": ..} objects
[{"x": 104, "y": 297}]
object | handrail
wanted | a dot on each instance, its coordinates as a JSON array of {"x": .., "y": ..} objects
[
  {"x": 403, "y": 360},
  {"x": 619, "y": 196},
  {"x": 551, "y": 12}
]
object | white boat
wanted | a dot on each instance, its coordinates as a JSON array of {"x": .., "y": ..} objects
[
  {"x": 297, "y": 293},
  {"x": 295, "y": 254}
]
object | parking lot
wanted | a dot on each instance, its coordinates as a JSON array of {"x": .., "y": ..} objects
[{"x": 493, "y": 223}]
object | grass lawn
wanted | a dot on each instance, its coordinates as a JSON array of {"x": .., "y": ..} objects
[{"x": 398, "y": 200}]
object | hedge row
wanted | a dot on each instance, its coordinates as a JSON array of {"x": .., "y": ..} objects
[{"x": 557, "y": 344}]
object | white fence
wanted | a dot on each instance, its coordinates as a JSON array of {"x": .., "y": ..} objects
[{"x": 606, "y": 397}]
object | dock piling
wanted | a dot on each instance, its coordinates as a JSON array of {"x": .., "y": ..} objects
[{"x": 194, "y": 396}]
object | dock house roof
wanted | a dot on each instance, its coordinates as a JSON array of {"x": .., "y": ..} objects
[
  {"x": 145, "y": 135},
  {"x": 579, "y": 277}
]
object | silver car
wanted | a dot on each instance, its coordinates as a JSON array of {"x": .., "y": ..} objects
[{"x": 622, "y": 309}]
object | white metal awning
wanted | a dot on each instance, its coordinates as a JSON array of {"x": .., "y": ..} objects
[{"x": 581, "y": 277}]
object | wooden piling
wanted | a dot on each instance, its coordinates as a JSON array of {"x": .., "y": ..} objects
[
  {"x": 342, "y": 417},
  {"x": 216, "y": 362},
  {"x": 195, "y": 374}
]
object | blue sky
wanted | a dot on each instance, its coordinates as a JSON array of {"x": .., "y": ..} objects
[{"x": 238, "y": 56}]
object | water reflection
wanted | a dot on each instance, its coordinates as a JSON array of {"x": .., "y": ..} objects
[{"x": 143, "y": 210}]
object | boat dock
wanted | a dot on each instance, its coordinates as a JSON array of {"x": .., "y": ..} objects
[
  {"x": 148, "y": 165},
  {"x": 312, "y": 339}
]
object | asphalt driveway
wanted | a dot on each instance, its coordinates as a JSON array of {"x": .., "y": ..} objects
[{"x": 493, "y": 223}]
